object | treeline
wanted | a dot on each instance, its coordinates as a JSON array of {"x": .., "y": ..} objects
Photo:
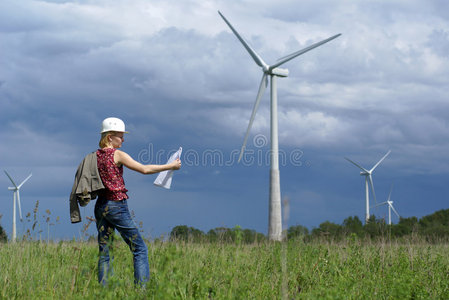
[
  {"x": 432, "y": 228},
  {"x": 219, "y": 234}
]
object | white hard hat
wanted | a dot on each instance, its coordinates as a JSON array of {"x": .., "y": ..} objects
[{"x": 113, "y": 124}]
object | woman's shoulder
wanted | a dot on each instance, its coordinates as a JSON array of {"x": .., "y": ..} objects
[
  {"x": 106, "y": 150},
  {"x": 120, "y": 153}
]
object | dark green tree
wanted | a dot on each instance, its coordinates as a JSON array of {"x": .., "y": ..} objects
[
  {"x": 375, "y": 227},
  {"x": 435, "y": 226},
  {"x": 297, "y": 231},
  {"x": 234, "y": 235},
  {"x": 220, "y": 234},
  {"x": 3, "y": 236},
  {"x": 212, "y": 236},
  {"x": 406, "y": 226},
  {"x": 440, "y": 217},
  {"x": 185, "y": 233},
  {"x": 329, "y": 230},
  {"x": 353, "y": 225},
  {"x": 251, "y": 236}
]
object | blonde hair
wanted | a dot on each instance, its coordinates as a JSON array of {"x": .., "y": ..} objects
[{"x": 104, "y": 142}]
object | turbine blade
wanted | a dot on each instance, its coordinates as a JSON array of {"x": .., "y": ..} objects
[
  {"x": 372, "y": 187},
  {"x": 394, "y": 210},
  {"x": 362, "y": 168},
  {"x": 259, "y": 61},
  {"x": 285, "y": 59},
  {"x": 375, "y": 166},
  {"x": 389, "y": 195},
  {"x": 11, "y": 179},
  {"x": 24, "y": 181},
  {"x": 18, "y": 202},
  {"x": 263, "y": 85},
  {"x": 380, "y": 204}
]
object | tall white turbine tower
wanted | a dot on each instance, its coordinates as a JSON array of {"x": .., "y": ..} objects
[
  {"x": 368, "y": 181},
  {"x": 16, "y": 197},
  {"x": 275, "y": 218},
  {"x": 390, "y": 207}
]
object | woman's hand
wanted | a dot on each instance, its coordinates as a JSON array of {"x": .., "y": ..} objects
[{"x": 176, "y": 165}]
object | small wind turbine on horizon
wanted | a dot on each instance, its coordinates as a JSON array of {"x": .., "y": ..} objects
[
  {"x": 16, "y": 197},
  {"x": 275, "y": 217},
  {"x": 368, "y": 182},
  {"x": 390, "y": 206}
]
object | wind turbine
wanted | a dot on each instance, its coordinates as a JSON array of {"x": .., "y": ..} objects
[
  {"x": 368, "y": 181},
  {"x": 390, "y": 207},
  {"x": 275, "y": 218},
  {"x": 16, "y": 197}
]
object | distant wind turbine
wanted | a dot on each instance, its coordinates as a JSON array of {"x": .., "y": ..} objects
[
  {"x": 368, "y": 181},
  {"x": 16, "y": 197},
  {"x": 275, "y": 218},
  {"x": 390, "y": 207}
]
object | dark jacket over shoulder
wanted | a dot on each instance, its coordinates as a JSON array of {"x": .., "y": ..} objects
[{"x": 86, "y": 186}]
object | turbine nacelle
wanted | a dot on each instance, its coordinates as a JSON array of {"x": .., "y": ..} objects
[{"x": 278, "y": 72}]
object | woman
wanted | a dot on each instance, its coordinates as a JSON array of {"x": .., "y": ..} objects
[{"x": 111, "y": 208}]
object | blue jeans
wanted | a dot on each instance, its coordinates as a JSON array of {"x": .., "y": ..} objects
[{"x": 111, "y": 215}]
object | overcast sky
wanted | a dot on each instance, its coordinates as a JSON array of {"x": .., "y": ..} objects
[{"x": 177, "y": 76}]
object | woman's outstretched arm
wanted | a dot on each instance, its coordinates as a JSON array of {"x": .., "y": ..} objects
[{"x": 123, "y": 158}]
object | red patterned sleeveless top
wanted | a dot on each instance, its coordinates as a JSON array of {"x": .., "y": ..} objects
[{"x": 111, "y": 175}]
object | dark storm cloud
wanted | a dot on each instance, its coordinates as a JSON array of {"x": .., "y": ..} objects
[
  {"x": 60, "y": 64},
  {"x": 178, "y": 76}
]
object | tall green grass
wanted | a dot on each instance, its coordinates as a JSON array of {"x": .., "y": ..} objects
[{"x": 344, "y": 270}]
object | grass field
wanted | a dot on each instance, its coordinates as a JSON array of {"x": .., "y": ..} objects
[{"x": 293, "y": 270}]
